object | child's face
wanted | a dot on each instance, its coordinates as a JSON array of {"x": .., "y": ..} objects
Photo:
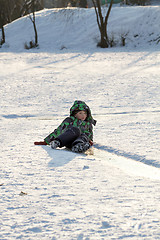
[{"x": 81, "y": 115}]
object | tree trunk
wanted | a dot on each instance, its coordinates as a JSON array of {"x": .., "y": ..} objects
[
  {"x": 104, "y": 43},
  {"x": 3, "y": 36},
  {"x": 102, "y": 23},
  {"x": 36, "y": 35},
  {"x": 35, "y": 29}
]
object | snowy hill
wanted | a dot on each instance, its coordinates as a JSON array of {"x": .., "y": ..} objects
[
  {"x": 59, "y": 195},
  {"x": 74, "y": 28}
]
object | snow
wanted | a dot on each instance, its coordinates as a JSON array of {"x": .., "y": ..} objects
[{"x": 114, "y": 192}]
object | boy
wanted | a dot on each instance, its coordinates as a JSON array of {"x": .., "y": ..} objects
[{"x": 75, "y": 132}]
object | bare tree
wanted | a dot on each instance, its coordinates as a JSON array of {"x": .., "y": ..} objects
[
  {"x": 31, "y": 6},
  {"x": 102, "y": 22},
  {"x": 33, "y": 19},
  {"x": 28, "y": 5},
  {"x": 2, "y": 40},
  {"x": 15, "y": 9},
  {"x": 4, "y": 17}
]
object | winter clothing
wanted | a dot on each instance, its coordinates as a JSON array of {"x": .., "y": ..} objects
[
  {"x": 68, "y": 137},
  {"x": 81, "y": 147},
  {"x": 72, "y": 130},
  {"x": 55, "y": 144}
]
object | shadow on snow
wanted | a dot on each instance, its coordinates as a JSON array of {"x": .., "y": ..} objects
[{"x": 59, "y": 157}]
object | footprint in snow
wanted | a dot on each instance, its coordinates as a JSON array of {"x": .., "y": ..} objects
[
  {"x": 85, "y": 167},
  {"x": 105, "y": 224}
]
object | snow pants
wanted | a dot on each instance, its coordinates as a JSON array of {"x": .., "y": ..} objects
[{"x": 71, "y": 137}]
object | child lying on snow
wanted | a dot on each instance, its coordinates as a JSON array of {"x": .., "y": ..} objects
[{"x": 75, "y": 132}]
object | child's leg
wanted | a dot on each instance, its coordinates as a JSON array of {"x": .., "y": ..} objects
[
  {"x": 81, "y": 139},
  {"x": 68, "y": 137},
  {"x": 81, "y": 144}
]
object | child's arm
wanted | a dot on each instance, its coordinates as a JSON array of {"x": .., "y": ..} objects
[
  {"x": 59, "y": 130},
  {"x": 89, "y": 132}
]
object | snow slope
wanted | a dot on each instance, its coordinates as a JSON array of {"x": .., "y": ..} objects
[
  {"x": 54, "y": 194},
  {"x": 74, "y": 28}
]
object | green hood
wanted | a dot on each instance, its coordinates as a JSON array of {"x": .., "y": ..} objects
[{"x": 82, "y": 106}]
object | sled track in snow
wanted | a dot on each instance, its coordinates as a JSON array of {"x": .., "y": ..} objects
[
  {"x": 127, "y": 163},
  {"x": 135, "y": 157}
]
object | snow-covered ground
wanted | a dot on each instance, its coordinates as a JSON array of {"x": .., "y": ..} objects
[{"x": 113, "y": 193}]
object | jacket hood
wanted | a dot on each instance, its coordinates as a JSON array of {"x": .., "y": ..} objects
[{"x": 82, "y": 106}]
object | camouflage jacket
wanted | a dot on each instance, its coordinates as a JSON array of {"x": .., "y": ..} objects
[{"x": 84, "y": 126}]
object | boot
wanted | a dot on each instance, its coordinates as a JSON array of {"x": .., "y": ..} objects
[
  {"x": 81, "y": 147},
  {"x": 55, "y": 144}
]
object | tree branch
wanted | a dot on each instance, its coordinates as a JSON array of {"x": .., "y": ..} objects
[{"x": 96, "y": 14}]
